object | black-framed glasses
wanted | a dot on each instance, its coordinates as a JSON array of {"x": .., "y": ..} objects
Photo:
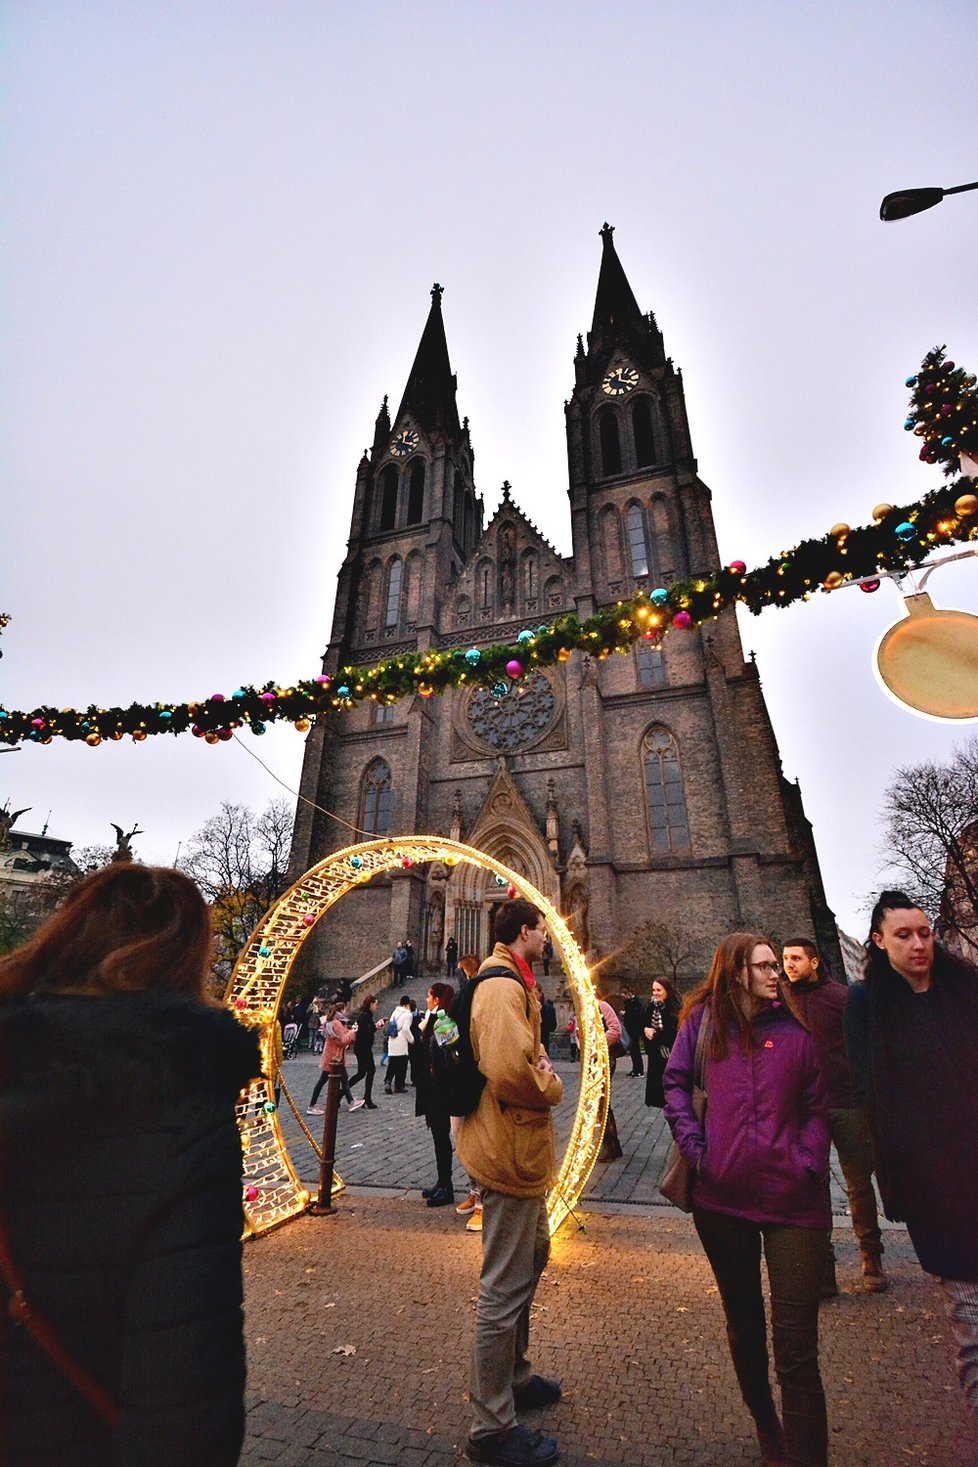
[{"x": 765, "y": 967}]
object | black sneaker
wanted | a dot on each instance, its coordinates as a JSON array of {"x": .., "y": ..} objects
[
  {"x": 536, "y": 1392},
  {"x": 517, "y": 1446}
]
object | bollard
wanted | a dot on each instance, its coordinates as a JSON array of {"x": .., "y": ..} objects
[{"x": 323, "y": 1206}]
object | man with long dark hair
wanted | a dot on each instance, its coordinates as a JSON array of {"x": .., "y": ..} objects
[{"x": 912, "y": 1031}]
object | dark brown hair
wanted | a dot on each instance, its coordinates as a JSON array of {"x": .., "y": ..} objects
[
  {"x": 444, "y": 994},
  {"x": 672, "y": 992},
  {"x": 123, "y": 929},
  {"x": 513, "y": 915},
  {"x": 722, "y": 989},
  {"x": 805, "y": 943}
]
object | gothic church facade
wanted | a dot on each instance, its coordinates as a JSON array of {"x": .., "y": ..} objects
[{"x": 638, "y": 789}]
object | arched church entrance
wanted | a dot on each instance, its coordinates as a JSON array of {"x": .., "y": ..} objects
[{"x": 273, "y": 1193}]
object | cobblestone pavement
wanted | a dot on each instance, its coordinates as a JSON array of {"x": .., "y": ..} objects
[
  {"x": 390, "y": 1147},
  {"x": 360, "y": 1325}
]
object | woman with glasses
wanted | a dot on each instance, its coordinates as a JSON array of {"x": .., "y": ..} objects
[{"x": 761, "y": 1155}]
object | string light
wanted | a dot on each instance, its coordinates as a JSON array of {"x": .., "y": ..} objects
[{"x": 272, "y": 1191}]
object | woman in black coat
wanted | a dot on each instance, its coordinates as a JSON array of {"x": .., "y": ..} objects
[
  {"x": 363, "y": 1048},
  {"x": 429, "y": 1101},
  {"x": 120, "y": 1183},
  {"x": 660, "y": 1030}
]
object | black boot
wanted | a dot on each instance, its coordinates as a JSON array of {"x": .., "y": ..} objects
[{"x": 441, "y": 1197}]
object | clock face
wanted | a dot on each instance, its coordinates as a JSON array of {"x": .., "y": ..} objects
[
  {"x": 405, "y": 442},
  {"x": 619, "y": 381}
]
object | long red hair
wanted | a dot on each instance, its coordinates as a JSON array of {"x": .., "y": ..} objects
[{"x": 123, "y": 929}]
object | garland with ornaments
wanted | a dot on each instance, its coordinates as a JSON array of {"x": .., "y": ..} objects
[{"x": 944, "y": 412}]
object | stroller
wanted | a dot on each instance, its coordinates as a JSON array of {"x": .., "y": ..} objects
[{"x": 290, "y": 1041}]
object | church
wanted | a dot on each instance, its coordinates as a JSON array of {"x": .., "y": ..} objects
[{"x": 643, "y": 794}]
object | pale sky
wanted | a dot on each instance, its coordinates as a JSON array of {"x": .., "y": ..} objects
[{"x": 222, "y": 225}]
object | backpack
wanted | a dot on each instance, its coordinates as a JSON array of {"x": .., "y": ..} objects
[
  {"x": 392, "y": 1030},
  {"x": 462, "y": 1081}
]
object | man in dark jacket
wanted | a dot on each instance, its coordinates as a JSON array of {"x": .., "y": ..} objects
[
  {"x": 912, "y": 1033},
  {"x": 819, "y": 1004},
  {"x": 633, "y": 1012}
]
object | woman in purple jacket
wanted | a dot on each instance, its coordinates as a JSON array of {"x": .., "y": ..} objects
[{"x": 761, "y": 1155}]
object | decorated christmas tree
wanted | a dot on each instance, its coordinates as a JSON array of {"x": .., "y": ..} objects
[{"x": 944, "y": 413}]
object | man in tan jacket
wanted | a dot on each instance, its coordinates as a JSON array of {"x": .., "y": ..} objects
[{"x": 508, "y": 1146}]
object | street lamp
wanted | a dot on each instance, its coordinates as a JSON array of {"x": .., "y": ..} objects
[{"x": 915, "y": 200}]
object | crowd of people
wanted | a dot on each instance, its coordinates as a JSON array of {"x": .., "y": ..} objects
[{"x": 117, "y": 1062}]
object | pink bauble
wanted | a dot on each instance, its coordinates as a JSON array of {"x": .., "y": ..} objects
[
  {"x": 240, "y": 1003},
  {"x": 308, "y": 920},
  {"x": 251, "y": 1194},
  {"x": 682, "y": 619},
  {"x": 217, "y": 697},
  {"x": 514, "y": 668},
  {"x": 738, "y": 567},
  {"x": 225, "y": 734},
  {"x": 197, "y": 732},
  {"x": 407, "y": 862},
  {"x": 267, "y": 697},
  {"x": 37, "y": 723},
  {"x": 869, "y": 586},
  {"x": 325, "y": 681}
]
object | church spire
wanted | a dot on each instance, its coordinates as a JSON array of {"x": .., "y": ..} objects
[
  {"x": 614, "y": 304},
  {"x": 430, "y": 392},
  {"x": 618, "y": 322}
]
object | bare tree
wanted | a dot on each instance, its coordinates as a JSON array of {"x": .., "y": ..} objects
[
  {"x": 661, "y": 947},
  {"x": 932, "y": 838},
  {"x": 239, "y": 860}
]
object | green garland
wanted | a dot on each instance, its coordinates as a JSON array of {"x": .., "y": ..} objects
[{"x": 900, "y": 539}]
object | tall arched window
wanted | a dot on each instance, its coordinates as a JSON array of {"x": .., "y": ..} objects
[
  {"x": 637, "y": 544},
  {"x": 610, "y": 446},
  {"x": 370, "y": 594},
  {"x": 643, "y": 433},
  {"x": 666, "y": 550},
  {"x": 483, "y": 584},
  {"x": 415, "y": 512},
  {"x": 394, "y": 572},
  {"x": 668, "y": 825},
  {"x": 376, "y": 799},
  {"x": 458, "y": 508},
  {"x": 651, "y": 668},
  {"x": 388, "y": 498}
]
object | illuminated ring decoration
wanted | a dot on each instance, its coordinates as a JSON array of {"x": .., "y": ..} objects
[{"x": 272, "y": 1191}]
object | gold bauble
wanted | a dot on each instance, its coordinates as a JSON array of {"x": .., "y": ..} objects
[
  {"x": 209, "y": 738},
  {"x": 302, "y": 724},
  {"x": 967, "y": 504},
  {"x": 881, "y": 511},
  {"x": 929, "y": 660},
  {"x": 138, "y": 734},
  {"x": 839, "y": 531},
  {"x": 833, "y": 580},
  {"x": 94, "y": 739},
  {"x": 563, "y": 653}
]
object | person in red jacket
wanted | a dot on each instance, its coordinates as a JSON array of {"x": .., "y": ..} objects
[
  {"x": 820, "y": 1004},
  {"x": 761, "y": 1156}
]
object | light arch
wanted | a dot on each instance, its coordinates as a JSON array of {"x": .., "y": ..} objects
[{"x": 273, "y": 1193}]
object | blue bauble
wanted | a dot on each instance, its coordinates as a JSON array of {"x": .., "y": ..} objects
[
  {"x": 525, "y": 636},
  {"x": 906, "y": 531},
  {"x": 909, "y": 425},
  {"x": 264, "y": 951},
  {"x": 499, "y": 690},
  {"x": 910, "y": 382},
  {"x": 473, "y": 656},
  {"x": 342, "y": 691},
  {"x": 269, "y": 1107},
  {"x": 356, "y": 862},
  {"x": 257, "y": 728},
  {"x": 659, "y": 597},
  {"x": 239, "y": 693},
  {"x": 946, "y": 442},
  {"x": 501, "y": 881},
  {"x": 165, "y": 713}
]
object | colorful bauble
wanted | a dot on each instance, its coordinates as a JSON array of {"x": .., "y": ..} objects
[
  {"x": 257, "y": 728},
  {"x": 683, "y": 620},
  {"x": 966, "y": 505},
  {"x": 269, "y": 1107},
  {"x": 93, "y": 739},
  {"x": 881, "y": 511},
  {"x": 833, "y": 580},
  {"x": 217, "y": 697},
  {"x": 905, "y": 531},
  {"x": 301, "y": 724},
  {"x": 511, "y": 892},
  {"x": 840, "y": 531},
  {"x": 473, "y": 656},
  {"x": 659, "y": 596},
  {"x": 267, "y": 697},
  {"x": 264, "y": 951},
  {"x": 356, "y": 862},
  {"x": 308, "y": 920},
  {"x": 514, "y": 669},
  {"x": 425, "y": 689},
  {"x": 240, "y": 1003},
  {"x": 869, "y": 586},
  {"x": 500, "y": 880},
  {"x": 499, "y": 690},
  {"x": 407, "y": 862},
  {"x": 251, "y": 1194},
  {"x": 138, "y": 734},
  {"x": 525, "y": 636},
  {"x": 343, "y": 691},
  {"x": 738, "y": 567}
]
